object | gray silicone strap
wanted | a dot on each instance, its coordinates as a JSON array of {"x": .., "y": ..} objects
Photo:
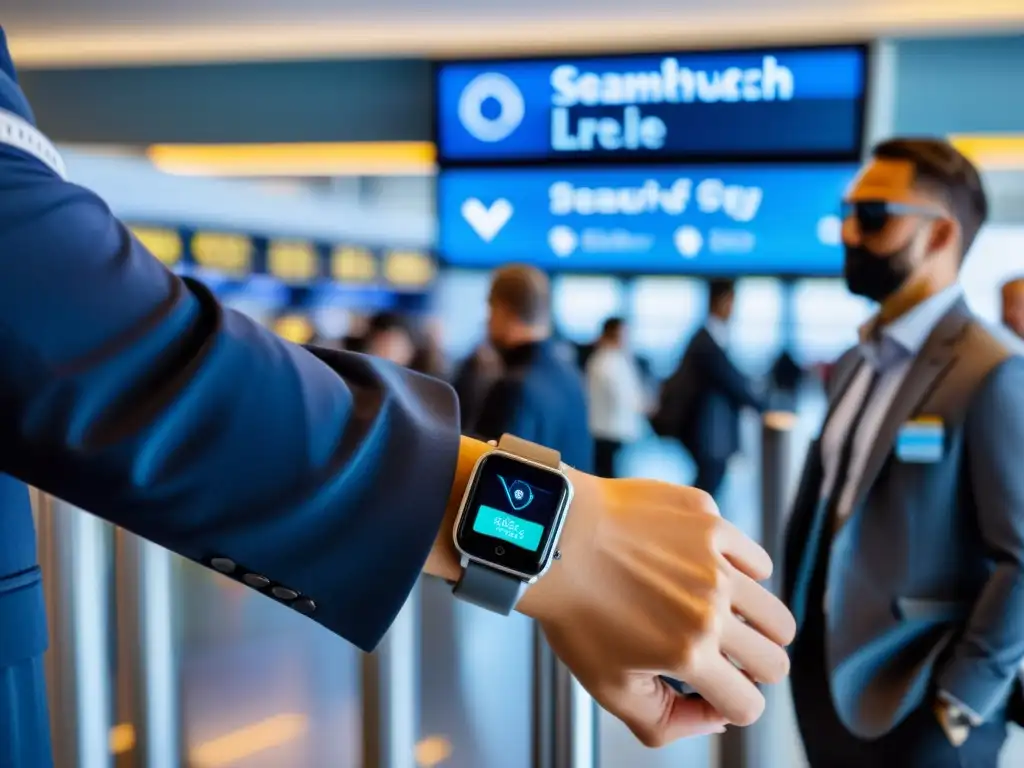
[
  {"x": 487, "y": 587},
  {"x": 490, "y": 589},
  {"x": 538, "y": 453}
]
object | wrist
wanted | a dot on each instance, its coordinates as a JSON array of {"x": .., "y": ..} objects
[
  {"x": 443, "y": 560},
  {"x": 557, "y": 592}
]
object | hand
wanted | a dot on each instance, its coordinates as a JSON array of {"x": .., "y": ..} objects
[
  {"x": 953, "y": 726},
  {"x": 653, "y": 582}
]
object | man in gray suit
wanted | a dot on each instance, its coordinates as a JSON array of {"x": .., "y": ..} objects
[{"x": 905, "y": 552}]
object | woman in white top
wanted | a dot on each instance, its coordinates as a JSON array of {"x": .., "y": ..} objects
[{"x": 616, "y": 397}]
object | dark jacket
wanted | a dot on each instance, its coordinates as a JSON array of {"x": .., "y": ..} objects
[
  {"x": 714, "y": 393},
  {"x": 541, "y": 398},
  {"x": 473, "y": 381},
  {"x": 133, "y": 394}
]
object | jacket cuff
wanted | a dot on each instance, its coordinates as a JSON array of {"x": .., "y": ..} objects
[
  {"x": 418, "y": 453},
  {"x": 947, "y": 698},
  {"x": 974, "y": 687}
]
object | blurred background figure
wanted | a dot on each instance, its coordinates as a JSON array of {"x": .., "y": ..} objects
[
  {"x": 388, "y": 336},
  {"x": 429, "y": 357},
  {"x": 616, "y": 397},
  {"x": 786, "y": 378},
  {"x": 473, "y": 379},
  {"x": 540, "y": 394},
  {"x": 708, "y": 393},
  {"x": 1013, "y": 306}
]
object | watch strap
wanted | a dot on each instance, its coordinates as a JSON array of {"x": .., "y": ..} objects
[
  {"x": 531, "y": 451},
  {"x": 489, "y": 588}
]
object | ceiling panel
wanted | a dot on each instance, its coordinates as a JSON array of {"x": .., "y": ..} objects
[{"x": 65, "y": 32}]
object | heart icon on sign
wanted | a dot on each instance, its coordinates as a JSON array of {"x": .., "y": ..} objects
[
  {"x": 688, "y": 241},
  {"x": 486, "y": 221}
]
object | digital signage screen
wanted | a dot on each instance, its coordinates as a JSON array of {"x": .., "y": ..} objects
[
  {"x": 700, "y": 220},
  {"x": 783, "y": 104}
]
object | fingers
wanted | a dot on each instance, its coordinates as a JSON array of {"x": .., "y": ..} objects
[
  {"x": 657, "y": 715},
  {"x": 743, "y": 552},
  {"x": 761, "y": 609},
  {"x": 727, "y": 689},
  {"x": 692, "y": 716},
  {"x": 762, "y": 659}
]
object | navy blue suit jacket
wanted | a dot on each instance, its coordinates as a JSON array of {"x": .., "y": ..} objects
[
  {"x": 716, "y": 393},
  {"x": 131, "y": 393},
  {"x": 540, "y": 398}
]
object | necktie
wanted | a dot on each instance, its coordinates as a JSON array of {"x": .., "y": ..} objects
[
  {"x": 810, "y": 584},
  {"x": 846, "y": 451}
]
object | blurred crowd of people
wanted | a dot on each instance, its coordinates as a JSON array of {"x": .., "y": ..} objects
[{"x": 703, "y": 397}]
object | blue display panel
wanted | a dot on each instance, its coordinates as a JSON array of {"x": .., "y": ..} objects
[
  {"x": 712, "y": 220},
  {"x": 803, "y": 103}
]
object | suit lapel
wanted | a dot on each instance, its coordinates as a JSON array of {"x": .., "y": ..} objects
[
  {"x": 844, "y": 379},
  {"x": 926, "y": 372}
]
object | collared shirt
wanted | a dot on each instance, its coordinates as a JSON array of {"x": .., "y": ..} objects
[
  {"x": 615, "y": 392},
  {"x": 891, "y": 353}
]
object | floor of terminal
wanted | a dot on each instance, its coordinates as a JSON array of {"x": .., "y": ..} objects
[{"x": 263, "y": 688}]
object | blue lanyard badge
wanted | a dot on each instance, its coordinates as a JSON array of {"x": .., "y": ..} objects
[{"x": 921, "y": 440}]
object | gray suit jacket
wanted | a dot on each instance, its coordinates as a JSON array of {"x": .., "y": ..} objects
[{"x": 926, "y": 579}]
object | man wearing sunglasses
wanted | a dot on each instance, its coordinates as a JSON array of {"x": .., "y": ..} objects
[{"x": 905, "y": 551}]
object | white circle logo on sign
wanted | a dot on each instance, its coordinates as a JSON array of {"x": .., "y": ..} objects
[{"x": 512, "y": 108}]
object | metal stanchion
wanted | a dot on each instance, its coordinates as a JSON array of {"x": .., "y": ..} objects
[
  {"x": 564, "y": 716},
  {"x": 148, "y": 692},
  {"x": 743, "y": 747},
  {"x": 390, "y": 677},
  {"x": 75, "y": 555},
  {"x": 776, "y": 470}
]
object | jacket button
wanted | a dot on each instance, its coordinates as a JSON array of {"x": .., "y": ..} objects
[
  {"x": 283, "y": 593},
  {"x": 256, "y": 581},
  {"x": 223, "y": 565},
  {"x": 304, "y": 606}
]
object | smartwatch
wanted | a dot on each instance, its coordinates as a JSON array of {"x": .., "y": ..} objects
[{"x": 509, "y": 523}]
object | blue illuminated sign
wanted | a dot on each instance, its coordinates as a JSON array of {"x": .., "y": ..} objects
[
  {"x": 668, "y": 220},
  {"x": 748, "y": 104}
]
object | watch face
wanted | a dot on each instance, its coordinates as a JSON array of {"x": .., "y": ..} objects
[{"x": 511, "y": 511}]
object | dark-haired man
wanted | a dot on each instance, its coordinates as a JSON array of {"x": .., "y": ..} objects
[
  {"x": 540, "y": 395},
  {"x": 905, "y": 553},
  {"x": 703, "y": 399}
]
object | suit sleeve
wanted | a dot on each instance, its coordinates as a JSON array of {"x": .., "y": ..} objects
[
  {"x": 134, "y": 395},
  {"x": 725, "y": 377},
  {"x": 986, "y": 660}
]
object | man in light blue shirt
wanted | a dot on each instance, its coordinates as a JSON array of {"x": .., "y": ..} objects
[{"x": 905, "y": 551}]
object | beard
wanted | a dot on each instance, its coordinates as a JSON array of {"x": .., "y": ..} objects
[{"x": 876, "y": 276}]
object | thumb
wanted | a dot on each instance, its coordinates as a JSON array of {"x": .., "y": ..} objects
[{"x": 657, "y": 715}]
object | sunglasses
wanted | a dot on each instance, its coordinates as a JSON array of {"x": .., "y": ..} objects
[{"x": 873, "y": 215}]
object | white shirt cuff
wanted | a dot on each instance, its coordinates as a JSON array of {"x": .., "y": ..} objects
[{"x": 973, "y": 717}]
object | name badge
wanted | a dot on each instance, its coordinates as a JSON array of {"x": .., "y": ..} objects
[{"x": 921, "y": 441}]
